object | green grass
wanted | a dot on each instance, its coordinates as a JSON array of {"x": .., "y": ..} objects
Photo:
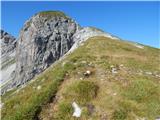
[
  {"x": 26, "y": 104},
  {"x": 145, "y": 94},
  {"x": 50, "y": 14},
  {"x": 120, "y": 114},
  {"x": 142, "y": 90},
  {"x": 65, "y": 111},
  {"x": 81, "y": 91},
  {"x": 137, "y": 96}
]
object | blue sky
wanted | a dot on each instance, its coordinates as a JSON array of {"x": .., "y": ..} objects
[{"x": 134, "y": 21}]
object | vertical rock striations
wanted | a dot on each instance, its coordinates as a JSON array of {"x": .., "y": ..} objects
[
  {"x": 44, "y": 39},
  {"x": 8, "y": 43},
  {"x": 7, "y": 58}
]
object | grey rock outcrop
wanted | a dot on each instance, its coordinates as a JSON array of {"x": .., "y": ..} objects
[
  {"x": 8, "y": 64},
  {"x": 85, "y": 33},
  {"x": 44, "y": 39},
  {"x": 8, "y": 43}
]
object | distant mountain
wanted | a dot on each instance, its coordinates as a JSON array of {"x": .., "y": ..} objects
[{"x": 64, "y": 71}]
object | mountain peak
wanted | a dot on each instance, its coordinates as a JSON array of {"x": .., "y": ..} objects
[{"x": 44, "y": 39}]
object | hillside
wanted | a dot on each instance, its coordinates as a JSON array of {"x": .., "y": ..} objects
[{"x": 122, "y": 84}]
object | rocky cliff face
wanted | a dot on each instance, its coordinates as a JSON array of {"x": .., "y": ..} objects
[
  {"x": 8, "y": 50},
  {"x": 44, "y": 39},
  {"x": 8, "y": 43}
]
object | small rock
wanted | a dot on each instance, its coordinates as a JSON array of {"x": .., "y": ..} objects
[
  {"x": 84, "y": 62},
  {"x": 87, "y": 73},
  {"x": 39, "y": 87},
  {"x": 114, "y": 70},
  {"x": 157, "y": 75},
  {"x": 158, "y": 118},
  {"x": 104, "y": 116},
  {"x": 90, "y": 108},
  {"x": 114, "y": 94},
  {"x": 142, "y": 118},
  {"x": 121, "y": 65},
  {"x": 67, "y": 74},
  {"x": 148, "y": 73},
  {"x": 102, "y": 79},
  {"x": 77, "y": 110},
  {"x": 1, "y": 105},
  {"x": 90, "y": 64},
  {"x": 81, "y": 78},
  {"x": 75, "y": 63},
  {"x": 139, "y": 46},
  {"x": 112, "y": 66}
]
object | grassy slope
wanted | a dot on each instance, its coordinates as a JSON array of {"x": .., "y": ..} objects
[{"x": 129, "y": 94}]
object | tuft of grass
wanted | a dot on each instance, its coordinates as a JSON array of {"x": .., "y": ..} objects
[
  {"x": 81, "y": 91},
  {"x": 64, "y": 112},
  {"x": 120, "y": 114}
]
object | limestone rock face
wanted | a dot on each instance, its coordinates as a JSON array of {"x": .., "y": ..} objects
[
  {"x": 7, "y": 58},
  {"x": 83, "y": 34},
  {"x": 44, "y": 39},
  {"x": 8, "y": 43}
]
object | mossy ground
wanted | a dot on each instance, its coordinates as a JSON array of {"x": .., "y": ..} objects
[{"x": 127, "y": 95}]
